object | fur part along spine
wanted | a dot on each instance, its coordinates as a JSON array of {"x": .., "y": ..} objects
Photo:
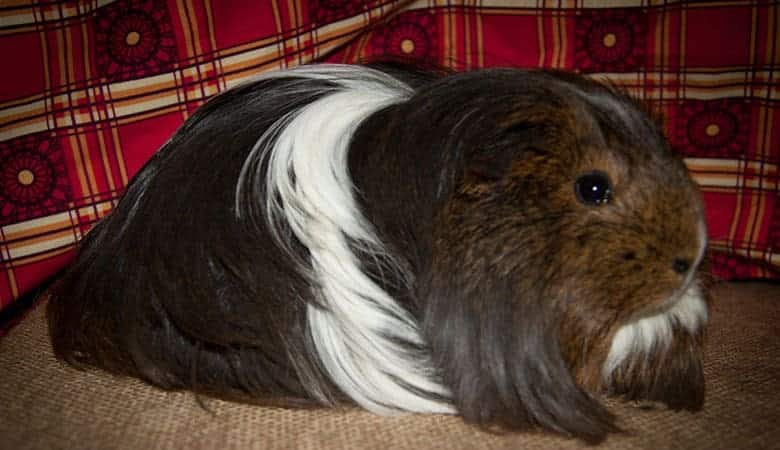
[{"x": 298, "y": 172}]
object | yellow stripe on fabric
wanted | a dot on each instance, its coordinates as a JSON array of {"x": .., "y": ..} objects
[
  {"x": 69, "y": 60},
  {"x": 718, "y": 245},
  {"x": 540, "y": 32},
  {"x": 40, "y": 244},
  {"x": 752, "y": 49},
  {"x": 35, "y": 13},
  {"x": 700, "y": 85},
  {"x": 278, "y": 41},
  {"x": 360, "y": 49},
  {"x": 146, "y": 95},
  {"x": 106, "y": 160},
  {"x": 192, "y": 20},
  {"x": 468, "y": 51},
  {"x": 562, "y": 22},
  {"x": 60, "y": 42},
  {"x": 12, "y": 281},
  {"x": 74, "y": 146},
  {"x": 17, "y": 113},
  {"x": 47, "y": 254},
  {"x": 62, "y": 60},
  {"x": 455, "y": 34},
  {"x": 182, "y": 15},
  {"x": 480, "y": 40},
  {"x": 84, "y": 150},
  {"x": 755, "y": 207},
  {"x": 292, "y": 22},
  {"x": 120, "y": 158},
  {"x": 683, "y": 46},
  {"x": 555, "y": 41},
  {"x": 765, "y": 150},
  {"x": 718, "y": 173},
  {"x": 737, "y": 214},
  {"x": 44, "y": 234},
  {"x": 445, "y": 41},
  {"x": 34, "y": 228},
  {"x": 756, "y": 218},
  {"x": 213, "y": 42}
]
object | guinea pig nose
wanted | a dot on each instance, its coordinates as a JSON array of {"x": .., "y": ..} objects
[{"x": 681, "y": 265}]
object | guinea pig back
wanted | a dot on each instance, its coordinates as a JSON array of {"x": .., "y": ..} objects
[{"x": 506, "y": 245}]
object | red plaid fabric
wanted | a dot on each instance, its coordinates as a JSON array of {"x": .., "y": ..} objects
[{"x": 92, "y": 88}]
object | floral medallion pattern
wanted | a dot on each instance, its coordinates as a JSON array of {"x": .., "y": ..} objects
[
  {"x": 610, "y": 40},
  {"x": 33, "y": 178},
  {"x": 134, "y": 39},
  {"x": 717, "y": 128},
  {"x": 410, "y": 35}
]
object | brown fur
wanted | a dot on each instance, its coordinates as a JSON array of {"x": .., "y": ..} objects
[{"x": 517, "y": 286}]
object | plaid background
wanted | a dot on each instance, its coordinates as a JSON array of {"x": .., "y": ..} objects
[{"x": 90, "y": 89}]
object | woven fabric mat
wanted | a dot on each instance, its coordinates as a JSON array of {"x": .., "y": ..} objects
[{"x": 46, "y": 405}]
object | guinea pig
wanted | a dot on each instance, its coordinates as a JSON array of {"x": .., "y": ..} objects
[{"x": 508, "y": 245}]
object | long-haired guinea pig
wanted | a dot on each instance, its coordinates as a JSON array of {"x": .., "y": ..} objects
[{"x": 503, "y": 244}]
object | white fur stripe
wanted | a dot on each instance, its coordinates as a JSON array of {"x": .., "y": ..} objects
[
  {"x": 656, "y": 332},
  {"x": 308, "y": 188}
]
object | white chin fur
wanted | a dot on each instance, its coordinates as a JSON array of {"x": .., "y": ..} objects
[
  {"x": 656, "y": 332},
  {"x": 309, "y": 189}
]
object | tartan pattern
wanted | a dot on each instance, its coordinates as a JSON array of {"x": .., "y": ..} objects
[{"x": 97, "y": 86}]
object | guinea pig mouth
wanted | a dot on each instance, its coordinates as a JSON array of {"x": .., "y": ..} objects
[
  {"x": 688, "y": 285},
  {"x": 667, "y": 302},
  {"x": 692, "y": 277}
]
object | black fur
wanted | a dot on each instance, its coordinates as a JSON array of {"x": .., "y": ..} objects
[{"x": 174, "y": 288}]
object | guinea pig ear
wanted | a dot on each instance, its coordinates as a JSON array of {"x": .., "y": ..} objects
[
  {"x": 498, "y": 352},
  {"x": 492, "y": 163}
]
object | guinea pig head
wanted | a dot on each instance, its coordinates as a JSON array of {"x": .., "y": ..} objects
[{"x": 565, "y": 261}]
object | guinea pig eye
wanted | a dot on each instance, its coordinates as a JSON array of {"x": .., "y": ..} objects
[{"x": 593, "y": 188}]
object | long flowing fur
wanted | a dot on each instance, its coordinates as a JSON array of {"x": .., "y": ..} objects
[
  {"x": 406, "y": 241},
  {"x": 298, "y": 171}
]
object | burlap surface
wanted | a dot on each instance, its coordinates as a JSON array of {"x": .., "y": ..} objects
[{"x": 46, "y": 405}]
